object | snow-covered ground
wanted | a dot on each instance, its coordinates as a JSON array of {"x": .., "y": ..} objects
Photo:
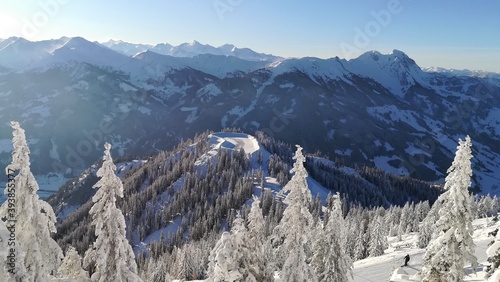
[{"x": 388, "y": 266}]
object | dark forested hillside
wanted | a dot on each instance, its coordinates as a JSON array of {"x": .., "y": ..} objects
[{"x": 192, "y": 192}]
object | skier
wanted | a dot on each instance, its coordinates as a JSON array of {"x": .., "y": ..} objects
[{"x": 407, "y": 259}]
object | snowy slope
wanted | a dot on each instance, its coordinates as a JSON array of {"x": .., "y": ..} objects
[
  {"x": 232, "y": 142},
  {"x": 216, "y": 65},
  {"x": 19, "y": 53},
  {"x": 395, "y": 71},
  {"x": 191, "y": 49},
  {"x": 388, "y": 266},
  {"x": 78, "y": 49},
  {"x": 184, "y": 95},
  {"x": 319, "y": 70},
  {"x": 129, "y": 49},
  {"x": 463, "y": 72}
]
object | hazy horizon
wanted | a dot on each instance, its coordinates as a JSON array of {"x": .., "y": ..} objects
[{"x": 455, "y": 35}]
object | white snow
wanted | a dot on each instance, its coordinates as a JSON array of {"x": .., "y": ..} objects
[
  {"x": 193, "y": 115},
  {"x": 80, "y": 85},
  {"x": 388, "y": 147},
  {"x": 127, "y": 87},
  {"x": 395, "y": 115},
  {"x": 228, "y": 140},
  {"x": 492, "y": 121},
  {"x": 317, "y": 189},
  {"x": 287, "y": 85},
  {"x": 413, "y": 150},
  {"x": 382, "y": 162},
  {"x": 395, "y": 71},
  {"x": 208, "y": 91},
  {"x": 144, "y": 110},
  {"x": 388, "y": 266},
  {"x": 42, "y": 110},
  {"x": 346, "y": 152},
  {"x": 170, "y": 229},
  {"x": 318, "y": 70}
]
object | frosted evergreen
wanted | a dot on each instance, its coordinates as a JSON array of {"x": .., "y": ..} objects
[
  {"x": 71, "y": 267},
  {"x": 39, "y": 256},
  {"x": 452, "y": 243},
  {"x": 114, "y": 258},
  {"x": 293, "y": 234},
  {"x": 331, "y": 259}
]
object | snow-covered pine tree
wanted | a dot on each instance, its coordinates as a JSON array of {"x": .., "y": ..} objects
[
  {"x": 114, "y": 258},
  {"x": 426, "y": 227},
  {"x": 225, "y": 260},
  {"x": 393, "y": 217},
  {"x": 157, "y": 270},
  {"x": 39, "y": 255},
  {"x": 421, "y": 211},
  {"x": 452, "y": 243},
  {"x": 293, "y": 235},
  {"x": 378, "y": 237},
  {"x": 331, "y": 259},
  {"x": 404, "y": 220},
  {"x": 21, "y": 274},
  {"x": 71, "y": 267},
  {"x": 261, "y": 265},
  {"x": 493, "y": 252}
]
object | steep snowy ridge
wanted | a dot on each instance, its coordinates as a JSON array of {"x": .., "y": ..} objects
[
  {"x": 216, "y": 65},
  {"x": 318, "y": 70},
  {"x": 191, "y": 49},
  {"x": 19, "y": 53},
  {"x": 78, "y": 49},
  {"x": 463, "y": 72},
  {"x": 240, "y": 141},
  {"x": 126, "y": 48},
  {"x": 395, "y": 71},
  {"x": 357, "y": 103}
]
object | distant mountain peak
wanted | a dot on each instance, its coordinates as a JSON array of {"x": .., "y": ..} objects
[
  {"x": 396, "y": 71},
  {"x": 195, "y": 43},
  {"x": 190, "y": 49},
  {"x": 112, "y": 41},
  {"x": 75, "y": 41}
]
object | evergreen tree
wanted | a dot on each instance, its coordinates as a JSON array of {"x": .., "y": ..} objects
[
  {"x": 71, "y": 267},
  {"x": 225, "y": 260},
  {"x": 493, "y": 252},
  {"x": 452, "y": 243},
  {"x": 158, "y": 271},
  {"x": 39, "y": 255},
  {"x": 5, "y": 252},
  {"x": 261, "y": 265},
  {"x": 426, "y": 227},
  {"x": 378, "y": 237},
  {"x": 404, "y": 221},
  {"x": 293, "y": 233},
  {"x": 331, "y": 259},
  {"x": 114, "y": 258}
]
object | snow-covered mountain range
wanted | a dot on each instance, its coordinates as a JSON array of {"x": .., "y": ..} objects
[
  {"x": 378, "y": 109},
  {"x": 189, "y": 50}
]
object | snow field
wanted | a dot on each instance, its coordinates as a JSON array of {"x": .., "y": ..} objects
[{"x": 388, "y": 266}]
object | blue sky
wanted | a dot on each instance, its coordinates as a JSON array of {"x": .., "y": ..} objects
[{"x": 453, "y": 34}]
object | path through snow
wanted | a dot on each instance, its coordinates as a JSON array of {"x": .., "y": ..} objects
[{"x": 388, "y": 267}]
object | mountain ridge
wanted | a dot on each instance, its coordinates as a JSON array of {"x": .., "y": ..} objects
[{"x": 379, "y": 109}]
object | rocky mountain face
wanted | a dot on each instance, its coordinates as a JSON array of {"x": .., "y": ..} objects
[{"x": 72, "y": 95}]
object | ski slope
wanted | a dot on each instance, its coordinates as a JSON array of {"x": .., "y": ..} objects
[{"x": 388, "y": 267}]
